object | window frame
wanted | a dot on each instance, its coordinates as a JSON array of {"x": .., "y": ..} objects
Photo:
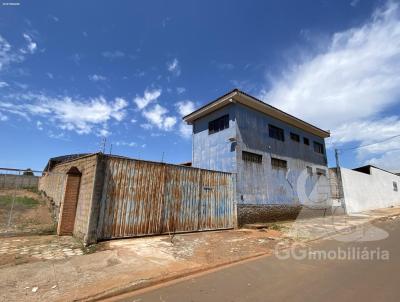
[
  {"x": 278, "y": 164},
  {"x": 306, "y": 141},
  {"x": 214, "y": 127},
  {"x": 316, "y": 146},
  {"x": 252, "y": 157},
  {"x": 295, "y": 137},
  {"x": 276, "y": 133}
]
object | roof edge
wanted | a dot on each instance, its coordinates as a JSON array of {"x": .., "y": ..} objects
[
  {"x": 283, "y": 116},
  {"x": 375, "y": 167}
]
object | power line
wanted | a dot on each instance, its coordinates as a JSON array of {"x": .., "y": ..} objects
[{"x": 367, "y": 145}]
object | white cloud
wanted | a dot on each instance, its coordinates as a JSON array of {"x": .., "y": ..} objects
[
  {"x": 115, "y": 54},
  {"x": 169, "y": 122},
  {"x": 157, "y": 116},
  {"x": 3, "y": 84},
  {"x": 350, "y": 84},
  {"x": 185, "y": 130},
  {"x": 126, "y": 144},
  {"x": 180, "y": 90},
  {"x": 31, "y": 47},
  {"x": 50, "y": 75},
  {"x": 103, "y": 132},
  {"x": 97, "y": 78},
  {"x": 146, "y": 126},
  {"x": 77, "y": 58},
  {"x": 354, "y": 3},
  {"x": 3, "y": 117},
  {"x": 79, "y": 115},
  {"x": 185, "y": 108},
  {"x": 388, "y": 161},
  {"x": 148, "y": 97},
  {"x": 174, "y": 67},
  {"x": 39, "y": 125},
  {"x": 7, "y": 54},
  {"x": 375, "y": 148},
  {"x": 366, "y": 132}
]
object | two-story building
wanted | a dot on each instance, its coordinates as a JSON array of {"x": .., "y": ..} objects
[{"x": 280, "y": 160}]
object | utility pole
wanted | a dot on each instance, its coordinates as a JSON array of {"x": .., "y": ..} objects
[
  {"x": 339, "y": 179},
  {"x": 103, "y": 147},
  {"x": 337, "y": 158},
  {"x": 110, "y": 148}
]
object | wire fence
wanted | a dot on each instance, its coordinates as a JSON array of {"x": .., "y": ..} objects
[{"x": 23, "y": 209}]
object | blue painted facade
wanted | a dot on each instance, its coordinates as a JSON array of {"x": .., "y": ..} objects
[
  {"x": 215, "y": 151},
  {"x": 260, "y": 183}
]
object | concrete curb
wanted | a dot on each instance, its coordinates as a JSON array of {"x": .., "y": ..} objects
[
  {"x": 107, "y": 294},
  {"x": 155, "y": 281}
]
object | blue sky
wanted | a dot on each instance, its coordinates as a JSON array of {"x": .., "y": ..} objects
[{"x": 73, "y": 72}]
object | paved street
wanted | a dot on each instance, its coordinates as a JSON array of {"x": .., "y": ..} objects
[{"x": 271, "y": 279}]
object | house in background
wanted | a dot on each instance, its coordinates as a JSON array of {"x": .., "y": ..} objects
[
  {"x": 369, "y": 187},
  {"x": 279, "y": 160}
]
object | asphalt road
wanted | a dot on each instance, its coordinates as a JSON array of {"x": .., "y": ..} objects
[{"x": 272, "y": 279}]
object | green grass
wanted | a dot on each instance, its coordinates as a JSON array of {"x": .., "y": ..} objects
[{"x": 20, "y": 201}]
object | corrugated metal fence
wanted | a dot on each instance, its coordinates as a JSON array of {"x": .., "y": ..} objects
[{"x": 145, "y": 198}]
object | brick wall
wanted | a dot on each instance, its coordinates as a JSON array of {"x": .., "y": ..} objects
[
  {"x": 54, "y": 184},
  {"x": 11, "y": 181},
  {"x": 68, "y": 207}
]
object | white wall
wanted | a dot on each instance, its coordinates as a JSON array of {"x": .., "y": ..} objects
[{"x": 369, "y": 191}]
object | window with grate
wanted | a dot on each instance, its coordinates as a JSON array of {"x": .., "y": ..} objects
[
  {"x": 277, "y": 163},
  {"x": 219, "y": 124},
  {"x": 294, "y": 137},
  {"x": 321, "y": 172},
  {"x": 251, "y": 157},
  {"x": 306, "y": 141},
  {"x": 395, "y": 186},
  {"x": 276, "y": 132},
  {"x": 319, "y": 148}
]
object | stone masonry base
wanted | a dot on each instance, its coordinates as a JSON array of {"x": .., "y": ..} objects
[{"x": 278, "y": 212}]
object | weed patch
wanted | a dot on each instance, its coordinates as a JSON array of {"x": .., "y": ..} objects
[{"x": 28, "y": 202}]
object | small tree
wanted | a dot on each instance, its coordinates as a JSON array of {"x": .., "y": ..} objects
[{"x": 28, "y": 172}]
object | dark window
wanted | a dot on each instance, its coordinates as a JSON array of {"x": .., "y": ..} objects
[
  {"x": 306, "y": 141},
  {"x": 252, "y": 157},
  {"x": 219, "y": 124},
  {"x": 321, "y": 172},
  {"x": 395, "y": 186},
  {"x": 309, "y": 170},
  {"x": 278, "y": 163},
  {"x": 276, "y": 133},
  {"x": 295, "y": 137},
  {"x": 319, "y": 148}
]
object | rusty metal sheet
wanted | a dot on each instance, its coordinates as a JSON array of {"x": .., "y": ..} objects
[{"x": 146, "y": 198}]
